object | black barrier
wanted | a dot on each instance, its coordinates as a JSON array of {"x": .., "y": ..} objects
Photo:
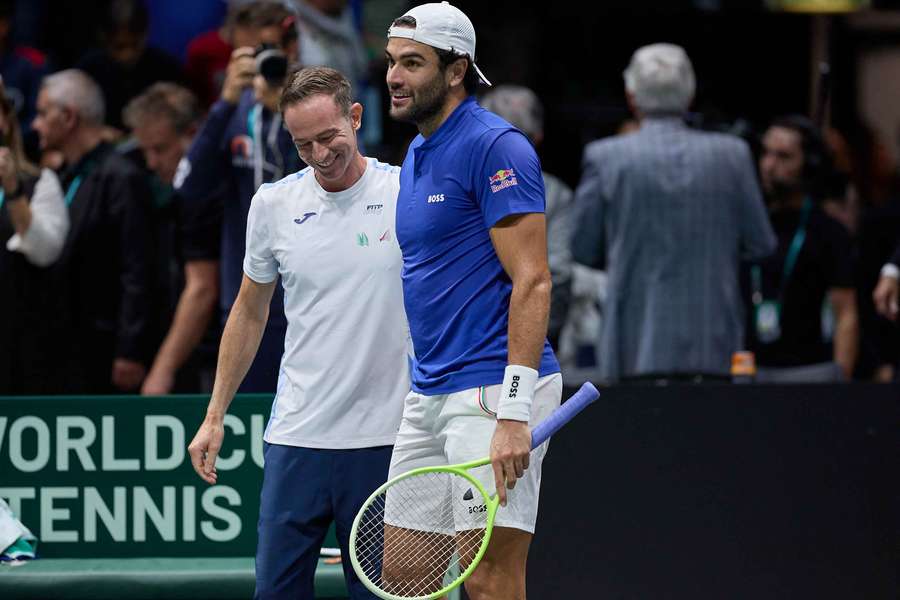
[
  {"x": 681, "y": 492},
  {"x": 723, "y": 492}
]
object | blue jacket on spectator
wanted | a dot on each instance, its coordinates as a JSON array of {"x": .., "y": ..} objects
[{"x": 240, "y": 147}]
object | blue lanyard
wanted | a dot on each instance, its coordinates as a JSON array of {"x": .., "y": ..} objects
[
  {"x": 790, "y": 261},
  {"x": 70, "y": 193},
  {"x": 252, "y": 117},
  {"x": 73, "y": 189}
]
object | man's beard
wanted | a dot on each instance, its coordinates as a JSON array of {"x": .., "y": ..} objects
[
  {"x": 428, "y": 102},
  {"x": 779, "y": 190}
]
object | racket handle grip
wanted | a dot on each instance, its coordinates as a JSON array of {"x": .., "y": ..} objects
[{"x": 562, "y": 415}]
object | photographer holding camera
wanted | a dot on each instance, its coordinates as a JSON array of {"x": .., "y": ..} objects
[
  {"x": 242, "y": 145},
  {"x": 33, "y": 226}
]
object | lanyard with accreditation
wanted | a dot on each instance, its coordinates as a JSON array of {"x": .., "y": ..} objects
[
  {"x": 72, "y": 190},
  {"x": 767, "y": 312}
]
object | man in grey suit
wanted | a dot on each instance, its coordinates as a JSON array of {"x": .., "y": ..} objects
[{"x": 669, "y": 212}]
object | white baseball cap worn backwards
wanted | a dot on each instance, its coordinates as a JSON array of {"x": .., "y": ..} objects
[{"x": 441, "y": 25}]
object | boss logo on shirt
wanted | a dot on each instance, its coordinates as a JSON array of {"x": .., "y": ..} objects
[
  {"x": 503, "y": 179},
  {"x": 435, "y": 198}
]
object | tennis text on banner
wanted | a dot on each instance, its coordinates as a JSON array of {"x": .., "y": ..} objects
[{"x": 116, "y": 480}]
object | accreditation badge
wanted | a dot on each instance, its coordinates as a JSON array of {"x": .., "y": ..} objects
[{"x": 768, "y": 321}]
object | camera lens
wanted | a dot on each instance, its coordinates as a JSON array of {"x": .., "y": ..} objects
[{"x": 272, "y": 64}]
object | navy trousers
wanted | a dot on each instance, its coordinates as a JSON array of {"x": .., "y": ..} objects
[{"x": 303, "y": 491}]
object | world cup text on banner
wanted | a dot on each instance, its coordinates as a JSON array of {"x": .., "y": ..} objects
[{"x": 112, "y": 473}]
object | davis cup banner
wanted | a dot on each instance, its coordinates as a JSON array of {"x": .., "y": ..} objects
[{"x": 110, "y": 476}]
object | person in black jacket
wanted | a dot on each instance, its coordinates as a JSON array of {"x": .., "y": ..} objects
[
  {"x": 164, "y": 120},
  {"x": 105, "y": 266}
]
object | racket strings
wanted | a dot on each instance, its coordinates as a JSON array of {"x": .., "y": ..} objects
[{"x": 417, "y": 537}]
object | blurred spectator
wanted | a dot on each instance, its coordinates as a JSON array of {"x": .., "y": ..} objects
[
  {"x": 669, "y": 212},
  {"x": 859, "y": 152},
  {"x": 886, "y": 293},
  {"x": 126, "y": 66},
  {"x": 521, "y": 107},
  {"x": 866, "y": 206},
  {"x": 21, "y": 67},
  {"x": 811, "y": 275},
  {"x": 105, "y": 262},
  {"x": 875, "y": 228},
  {"x": 329, "y": 37},
  {"x": 33, "y": 227},
  {"x": 878, "y": 249},
  {"x": 172, "y": 27},
  {"x": 164, "y": 121},
  {"x": 578, "y": 338},
  {"x": 841, "y": 201},
  {"x": 242, "y": 145},
  {"x": 246, "y": 24}
]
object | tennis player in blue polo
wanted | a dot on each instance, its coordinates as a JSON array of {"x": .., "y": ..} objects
[{"x": 476, "y": 286}]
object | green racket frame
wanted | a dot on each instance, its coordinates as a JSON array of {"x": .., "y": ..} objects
[
  {"x": 562, "y": 415},
  {"x": 492, "y": 502}
]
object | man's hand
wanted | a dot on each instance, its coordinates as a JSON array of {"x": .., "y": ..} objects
[
  {"x": 158, "y": 383},
  {"x": 239, "y": 74},
  {"x": 886, "y": 297},
  {"x": 510, "y": 453},
  {"x": 127, "y": 374},
  {"x": 204, "y": 449}
]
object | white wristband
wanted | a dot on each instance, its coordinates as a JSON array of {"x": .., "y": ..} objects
[
  {"x": 517, "y": 393},
  {"x": 890, "y": 270}
]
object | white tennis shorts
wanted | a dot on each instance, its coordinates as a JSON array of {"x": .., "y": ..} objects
[{"x": 456, "y": 428}]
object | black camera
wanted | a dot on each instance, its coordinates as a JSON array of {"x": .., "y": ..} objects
[{"x": 271, "y": 63}]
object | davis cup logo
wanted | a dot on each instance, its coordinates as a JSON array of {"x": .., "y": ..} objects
[{"x": 503, "y": 179}]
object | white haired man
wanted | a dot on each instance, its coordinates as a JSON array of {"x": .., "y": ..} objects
[
  {"x": 105, "y": 261},
  {"x": 669, "y": 212}
]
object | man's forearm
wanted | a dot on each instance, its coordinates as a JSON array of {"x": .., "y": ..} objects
[
  {"x": 529, "y": 310},
  {"x": 846, "y": 342},
  {"x": 240, "y": 341},
  {"x": 195, "y": 308}
]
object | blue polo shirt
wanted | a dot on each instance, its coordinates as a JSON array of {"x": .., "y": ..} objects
[{"x": 472, "y": 172}]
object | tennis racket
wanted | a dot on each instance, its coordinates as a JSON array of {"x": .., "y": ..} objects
[{"x": 421, "y": 534}]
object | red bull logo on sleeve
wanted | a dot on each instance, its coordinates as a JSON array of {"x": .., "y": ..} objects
[{"x": 503, "y": 179}]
